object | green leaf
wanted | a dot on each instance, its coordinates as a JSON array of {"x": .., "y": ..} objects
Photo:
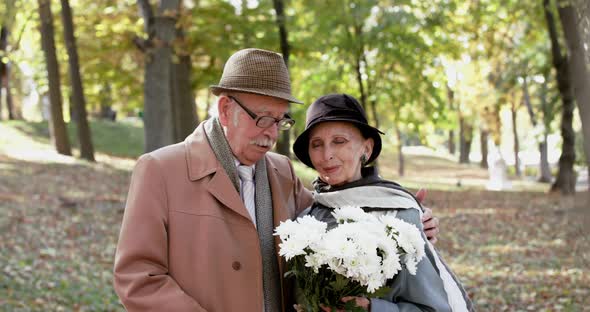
[
  {"x": 339, "y": 284},
  {"x": 381, "y": 292}
]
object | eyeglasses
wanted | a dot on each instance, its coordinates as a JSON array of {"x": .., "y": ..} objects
[{"x": 284, "y": 123}]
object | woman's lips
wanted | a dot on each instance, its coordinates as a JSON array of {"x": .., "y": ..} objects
[{"x": 330, "y": 170}]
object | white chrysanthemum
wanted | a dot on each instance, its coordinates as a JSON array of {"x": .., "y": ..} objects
[
  {"x": 312, "y": 226},
  {"x": 286, "y": 229},
  {"x": 337, "y": 243},
  {"x": 408, "y": 238},
  {"x": 291, "y": 247},
  {"x": 362, "y": 247},
  {"x": 351, "y": 214},
  {"x": 306, "y": 227},
  {"x": 390, "y": 259},
  {"x": 374, "y": 284},
  {"x": 315, "y": 261},
  {"x": 298, "y": 235}
]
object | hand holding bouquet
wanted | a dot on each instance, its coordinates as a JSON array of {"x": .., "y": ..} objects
[{"x": 355, "y": 258}]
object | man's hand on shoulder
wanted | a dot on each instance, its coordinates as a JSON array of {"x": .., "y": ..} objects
[{"x": 429, "y": 221}]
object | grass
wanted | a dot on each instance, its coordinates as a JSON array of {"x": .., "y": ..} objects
[
  {"x": 119, "y": 139},
  {"x": 523, "y": 250}
]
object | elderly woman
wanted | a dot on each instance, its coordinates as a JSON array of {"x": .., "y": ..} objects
[{"x": 339, "y": 143}]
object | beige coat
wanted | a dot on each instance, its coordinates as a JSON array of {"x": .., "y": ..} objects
[{"x": 187, "y": 242}]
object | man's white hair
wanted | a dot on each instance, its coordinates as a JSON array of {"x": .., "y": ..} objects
[{"x": 213, "y": 110}]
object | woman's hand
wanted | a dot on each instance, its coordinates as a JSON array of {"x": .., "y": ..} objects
[{"x": 360, "y": 302}]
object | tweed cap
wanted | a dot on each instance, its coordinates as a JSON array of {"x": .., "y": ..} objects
[{"x": 256, "y": 71}]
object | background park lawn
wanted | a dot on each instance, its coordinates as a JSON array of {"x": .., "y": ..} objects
[{"x": 523, "y": 250}]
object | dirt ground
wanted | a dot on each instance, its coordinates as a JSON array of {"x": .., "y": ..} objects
[{"x": 59, "y": 222}]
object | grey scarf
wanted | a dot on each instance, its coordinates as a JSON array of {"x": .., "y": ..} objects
[
  {"x": 264, "y": 213},
  {"x": 367, "y": 196}
]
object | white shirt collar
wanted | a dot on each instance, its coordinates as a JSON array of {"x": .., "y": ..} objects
[{"x": 237, "y": 163}]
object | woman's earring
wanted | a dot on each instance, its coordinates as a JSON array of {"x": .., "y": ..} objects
[{"x": 363, "y": 159}]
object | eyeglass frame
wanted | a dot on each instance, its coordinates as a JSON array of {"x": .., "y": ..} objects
[{"x": 289, "y": 121}]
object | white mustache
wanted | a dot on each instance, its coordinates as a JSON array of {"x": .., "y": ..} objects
[{"x": 263, "y": 142}]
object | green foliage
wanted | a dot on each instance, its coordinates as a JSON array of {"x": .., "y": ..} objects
[{"x": 405, "y": 51}]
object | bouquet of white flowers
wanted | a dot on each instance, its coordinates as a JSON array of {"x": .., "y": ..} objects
[{"x": 355, "y": 258}]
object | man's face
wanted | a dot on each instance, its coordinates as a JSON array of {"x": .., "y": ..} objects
[{"x": 247, "y": 141}]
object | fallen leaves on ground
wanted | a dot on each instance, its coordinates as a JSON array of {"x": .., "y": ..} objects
[{"x": 514, "y": 251}]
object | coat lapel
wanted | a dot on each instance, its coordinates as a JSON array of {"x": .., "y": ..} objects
[
  {"x": 201, "y": 162},
  {"x": 280, "y": 187}
]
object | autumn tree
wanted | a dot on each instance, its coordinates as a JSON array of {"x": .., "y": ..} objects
[
  {"x": 284, "y": 142},
  {"x": 169, "y": 109},
  {"x": 57, "y": 125},
  {"x": 78, "y": 99},
  {"x": 579, "y": 68},
  {"x": 566, "y": 178},
  {"x": 5, "y": 63}
]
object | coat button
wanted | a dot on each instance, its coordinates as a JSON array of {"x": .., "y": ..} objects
[{"x": 236, "y": 265}]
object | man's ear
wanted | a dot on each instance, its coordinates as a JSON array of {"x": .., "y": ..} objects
[{"x": 224, "y": 109}]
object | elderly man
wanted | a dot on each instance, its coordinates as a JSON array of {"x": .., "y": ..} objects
[{"x": 198, "y": 224}]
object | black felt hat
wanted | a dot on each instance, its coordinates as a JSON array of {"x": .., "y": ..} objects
[{"x": 336, "y": 107}]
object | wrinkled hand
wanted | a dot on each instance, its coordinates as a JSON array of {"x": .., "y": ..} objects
[
  {"x": 298, "y": 308},
  {"x": 429, "y": 221},
  {"x": 360, "y": 302}
]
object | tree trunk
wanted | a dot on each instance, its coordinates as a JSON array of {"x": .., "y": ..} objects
[
  {"x": 9, "y": 102},
  {"x": 3, "y": 45},
  {"x": 359, "y": 79},
  {"x": 1, "y": 82},
  {"x": 158, "y": 116},
  {"x": 3, "y": 66},
  {"x": 527, "y": 101},
  {"x": 282, "y": 25},
  {"x": 452, "y": 147},
  {"x": 514, "y": 113},
  {"x": 400, "y": 154},
  {"x": 284, "y": 142},
  {"x": 246, "y": 30},
  {"x": 79, "y": 102},
  {"x": 451, "y": 100},
  {"x": 465, "y": 138},
  {"x": 207, "y": 105},
  {"x": 566, "y": 179},
  {"x": 57, "y": 128},
  {"x": 374, "y": 111},
  {"x": 212, "y": 61},
  {"x": 358, "y": 33},
  {"x": 183, "y": 101},
  {"x": 484, "y": 147},
  {"x": 544, "y": 170},
  {"x": 545, "y": 174},
  {"x": 5, "y": 69},
  {"x": 580, "y": 76}
]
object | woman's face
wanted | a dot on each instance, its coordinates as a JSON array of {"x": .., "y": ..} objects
[{"x": 335, "y": 150}]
